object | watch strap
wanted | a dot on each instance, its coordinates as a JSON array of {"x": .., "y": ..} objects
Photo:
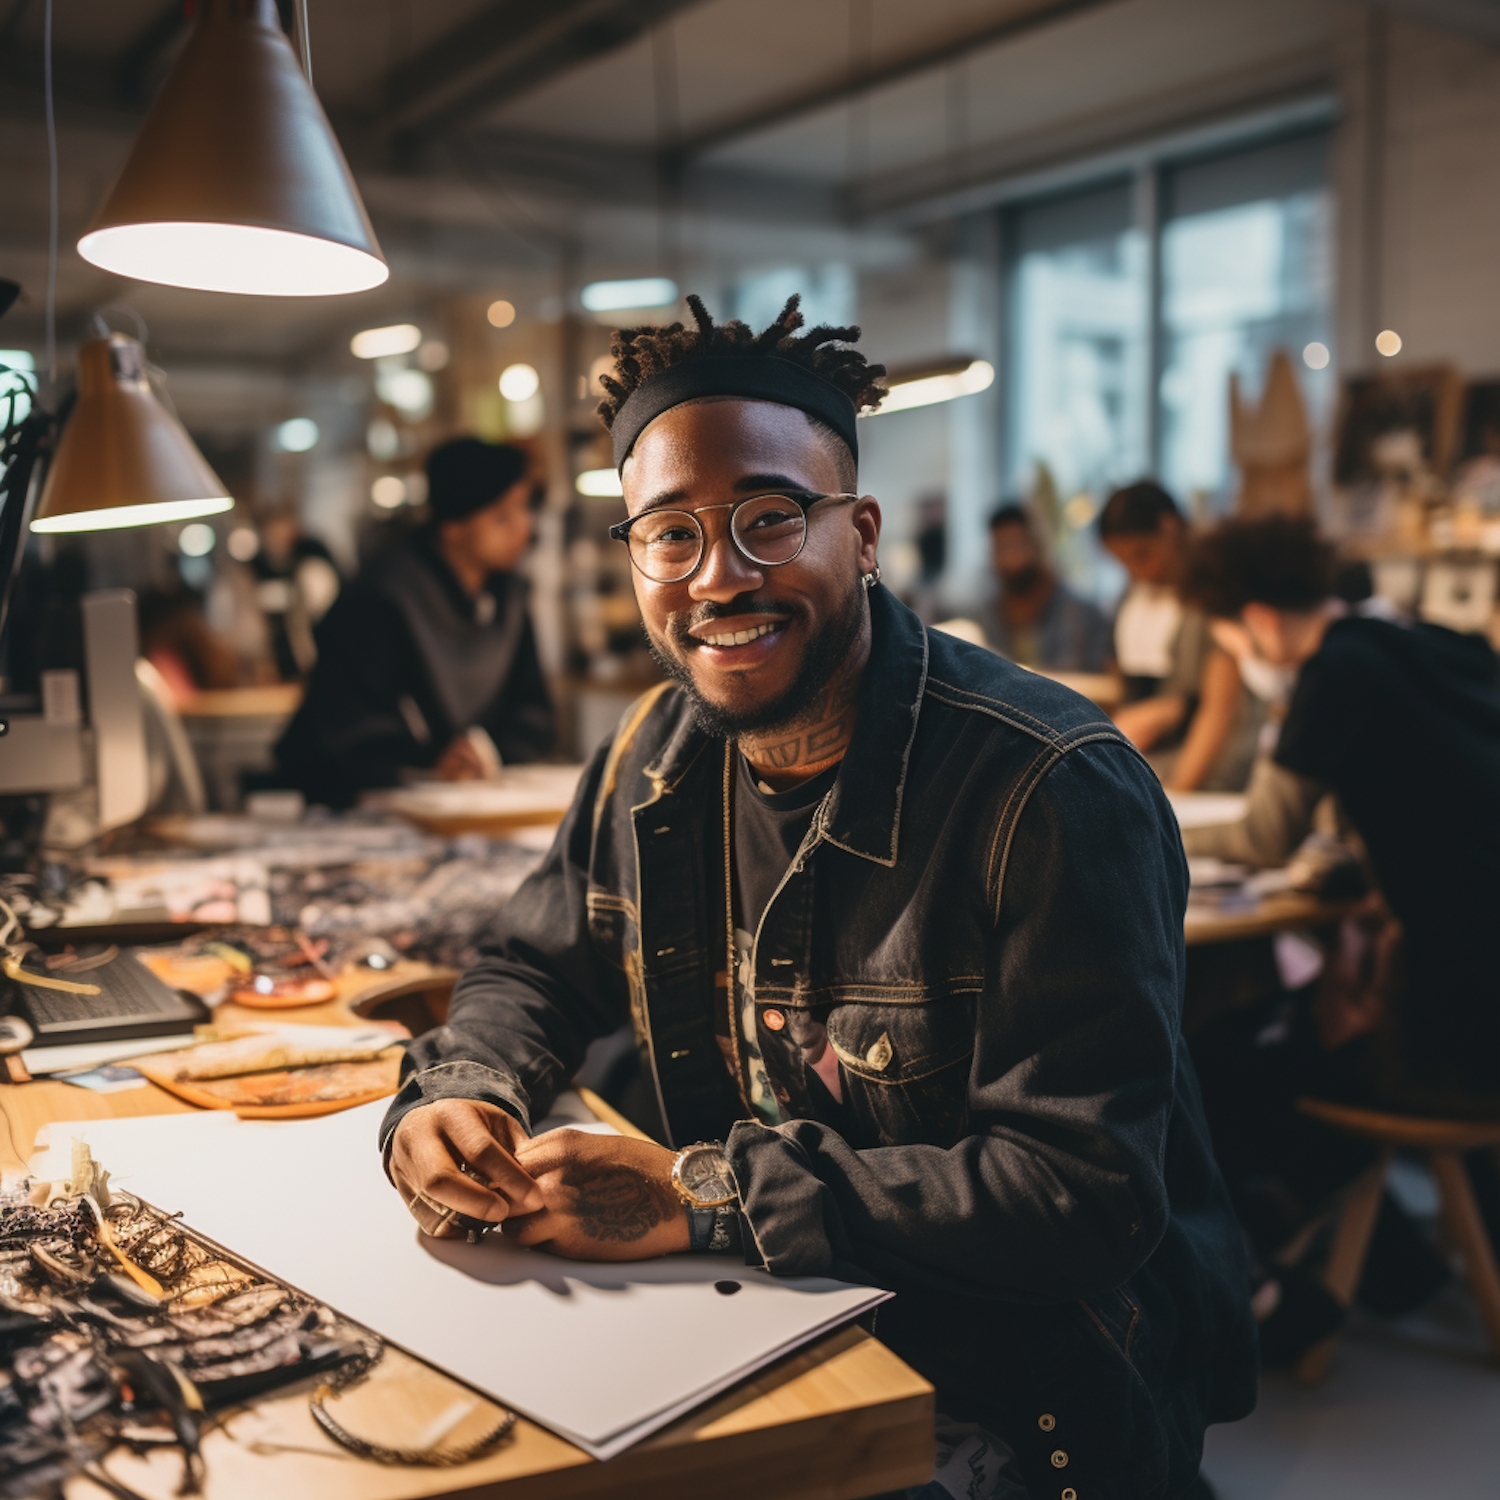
[{"x": 713, "y": 1231}]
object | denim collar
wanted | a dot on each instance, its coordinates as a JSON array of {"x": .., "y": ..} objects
[{"x": 863, "y": 812}]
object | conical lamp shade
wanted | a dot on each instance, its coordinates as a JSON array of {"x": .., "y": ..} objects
[
  {"x": 124, "y": 459},
  {"x": 236, "y": 183}
]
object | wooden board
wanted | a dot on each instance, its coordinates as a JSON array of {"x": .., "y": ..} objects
[{"x": 841, "y": 1419}]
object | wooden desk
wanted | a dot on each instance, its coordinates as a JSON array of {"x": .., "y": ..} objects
[
  {"x": 840, "y": 1419},
  {"x": 275, "y": 700},
  {"x": 234, "y": 730},
  {"x": 1104, "y": 689},
  {"x": 1271, "y": 914}
]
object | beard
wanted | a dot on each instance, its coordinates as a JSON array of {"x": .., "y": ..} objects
[
  {"x": 1022, "y": 581},
  {"x": 826, "y": 652}
]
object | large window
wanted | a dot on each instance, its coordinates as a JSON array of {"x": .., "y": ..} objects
[
  {"x": 1078, "y": 345},
  {"x": 1129, "y": 304},
  {"x": 1245, "y": 269}
]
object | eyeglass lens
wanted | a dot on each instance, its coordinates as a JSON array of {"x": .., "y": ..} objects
[{"x": 667, "y": 545}]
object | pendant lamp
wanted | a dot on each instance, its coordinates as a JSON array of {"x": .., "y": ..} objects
[
  {"x": 124, "y": 459},
  {"x": 235, "y": 182}
]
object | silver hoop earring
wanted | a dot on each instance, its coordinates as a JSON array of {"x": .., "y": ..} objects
[{"x": 871, "y": 578}]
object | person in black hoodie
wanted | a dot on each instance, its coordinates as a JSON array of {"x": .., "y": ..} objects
[
  {"x": 430, "y": 652},
  {"x": 1401, "y": 723}
]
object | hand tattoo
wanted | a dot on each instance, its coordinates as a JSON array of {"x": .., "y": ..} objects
[{"x": 616, "y": 1203}]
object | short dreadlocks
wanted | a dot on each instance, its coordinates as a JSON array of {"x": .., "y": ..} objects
[{"x": 825, "y": 350}]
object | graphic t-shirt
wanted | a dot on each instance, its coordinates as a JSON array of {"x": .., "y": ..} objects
[{"x": 768, "y": 829}]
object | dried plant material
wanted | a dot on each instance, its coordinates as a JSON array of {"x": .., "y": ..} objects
[
  {"x": 263, "y": 1053},
  {"x": 88, "y": 1178}
]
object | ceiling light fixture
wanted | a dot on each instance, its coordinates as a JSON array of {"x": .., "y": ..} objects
[
  {"x": 1388, "y": 342},
  {"x": 123, "y": 459},
  {"x": 388, "y": 491},
  {"x": 501, "y": 314},
  {"x": 599, "y": 484},
  {"x": 235, "y": 182},
  {"x": 929, "y": 386},
  {"x": 381, "y": 343},
  {"x": 519, "y": 382},
  {"x": 196, "y": 539},
  {"x": 617, "y": 296},
  {"x": 296, "y": 435}
]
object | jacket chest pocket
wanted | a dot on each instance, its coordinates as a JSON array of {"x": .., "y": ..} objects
[
  {"x": 906, "y": 1067},
  {"x": 612, "y": 923}
]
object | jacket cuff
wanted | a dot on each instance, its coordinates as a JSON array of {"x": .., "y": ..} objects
[
  {"x": 454, "y": 1080},
  {"x": 783, "y": 1203}
]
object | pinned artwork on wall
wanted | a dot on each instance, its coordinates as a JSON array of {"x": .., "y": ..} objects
[
  {"x": 1398, "y": 425},
  {"x": 1477, "y": 482},
  {"x": 1271, "y": 442}
]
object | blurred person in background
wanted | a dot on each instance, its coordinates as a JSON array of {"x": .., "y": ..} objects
[
  {"x": 178, "y": 641},
  {"x": 1186, "y": 709},
  {"x": 296, "y": 582},
  {"x": 1035, "y": 619},
  {"x": 427, "y": 661},
  {"x": 1401, "y": 723}
]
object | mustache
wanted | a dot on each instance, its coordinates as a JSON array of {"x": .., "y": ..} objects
[{"x": 680, "y": 624}]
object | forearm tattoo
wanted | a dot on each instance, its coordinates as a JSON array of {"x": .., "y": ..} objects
[{"x": 616, "y": 1203}]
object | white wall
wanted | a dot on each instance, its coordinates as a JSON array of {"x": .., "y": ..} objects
[{"x": 1419, "y": 192}]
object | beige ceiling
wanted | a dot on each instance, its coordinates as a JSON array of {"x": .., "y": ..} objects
[{"x": 526, "y": 145}]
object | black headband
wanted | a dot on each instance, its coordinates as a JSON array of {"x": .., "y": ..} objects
[{"x": 755, "y": 377}]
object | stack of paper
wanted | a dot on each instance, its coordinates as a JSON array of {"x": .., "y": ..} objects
[{"x": 601, "y": 1354}]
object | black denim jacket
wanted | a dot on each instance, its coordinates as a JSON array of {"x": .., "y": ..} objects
[{"x": 987, "y": 916}]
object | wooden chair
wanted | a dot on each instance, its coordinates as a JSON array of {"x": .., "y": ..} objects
[{"x": 1443, "y": 1142}]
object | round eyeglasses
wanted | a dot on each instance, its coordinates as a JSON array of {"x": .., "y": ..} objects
[{"x": 668, "y": 545}]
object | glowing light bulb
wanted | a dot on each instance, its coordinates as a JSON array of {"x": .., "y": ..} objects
[{"x": 519, "y": 382}]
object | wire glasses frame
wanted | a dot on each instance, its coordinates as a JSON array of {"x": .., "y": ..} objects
[{"x": 668, "y": 546}]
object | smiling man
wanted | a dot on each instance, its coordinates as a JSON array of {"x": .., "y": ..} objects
[{"x": 899, "y": 926}]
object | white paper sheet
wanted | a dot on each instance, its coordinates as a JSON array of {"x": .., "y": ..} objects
[
  {"x": 602, "y": 1354},
  {"x": 42, "y": 1061}
]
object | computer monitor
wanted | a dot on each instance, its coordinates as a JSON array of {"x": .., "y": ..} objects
[{"x": 94, "y": 731}]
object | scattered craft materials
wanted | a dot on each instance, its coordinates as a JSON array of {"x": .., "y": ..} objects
[{"x": 119, "y": 1327}]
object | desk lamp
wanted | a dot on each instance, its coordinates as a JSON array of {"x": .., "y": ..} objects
[{"x": 123, "y": 459}]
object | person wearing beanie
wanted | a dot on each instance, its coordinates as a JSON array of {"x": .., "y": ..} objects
[{"x": 427, "y": 664}]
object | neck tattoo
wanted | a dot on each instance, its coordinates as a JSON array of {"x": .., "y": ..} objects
[{"x": 783, "y": 757}]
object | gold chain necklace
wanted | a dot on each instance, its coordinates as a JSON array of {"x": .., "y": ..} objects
[{"x": 729, "y": 963}]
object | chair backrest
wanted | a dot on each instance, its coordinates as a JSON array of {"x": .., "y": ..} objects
[{"x": 180, "y": 788}]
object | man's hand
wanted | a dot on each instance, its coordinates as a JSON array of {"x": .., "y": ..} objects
[
  {"x": 460, "y": 1155},
  {"x": 606, "y": 1198},
  {"x": 460, "y": 762}
]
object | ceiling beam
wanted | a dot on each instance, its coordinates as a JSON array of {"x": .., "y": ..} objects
[
  {"x": 10, "y": 25},
  {"x": 142, "y": 64},
  {"x": 585, "y": 173},
  {"x": 847, "y": 85},
  {"x": 506, "y": 50},
  {"x": 1477, "y": 19}
]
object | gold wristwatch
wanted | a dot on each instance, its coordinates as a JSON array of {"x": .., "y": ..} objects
[
  {"x": 702, "y": 1178},
  {"x": 705, "y": 1183}
]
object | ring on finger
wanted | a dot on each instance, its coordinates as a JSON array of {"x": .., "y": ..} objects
[{"x": 442, "y": 1213}]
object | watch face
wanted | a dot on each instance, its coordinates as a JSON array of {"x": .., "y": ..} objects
[{"x": 705, "y": 1176}]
